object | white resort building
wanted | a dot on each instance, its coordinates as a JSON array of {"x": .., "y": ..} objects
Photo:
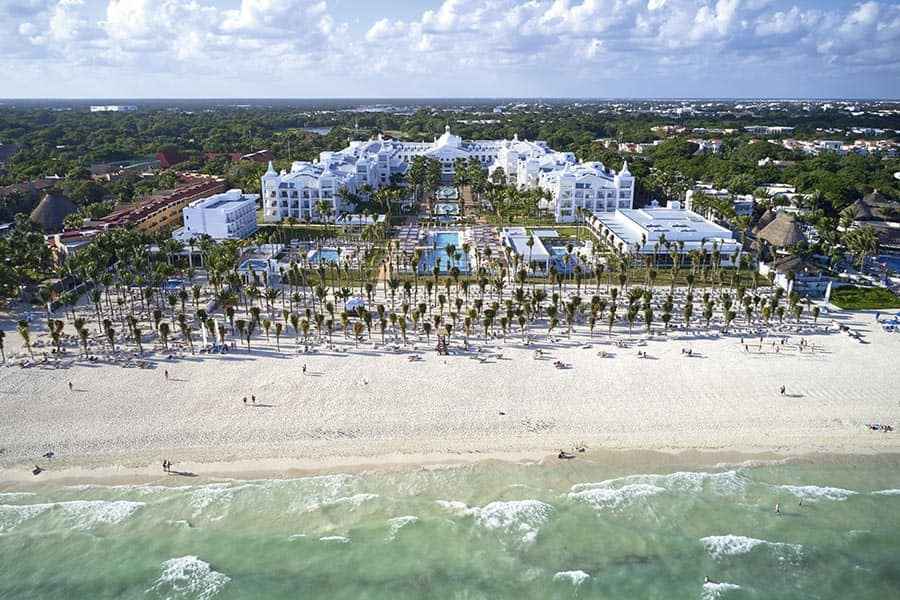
[
  {"x": 227, "y": 216},
  {"x": 300, "y": 192},
  {"x": 656, "y": 230},
  {"x": 741, "y": 204}
]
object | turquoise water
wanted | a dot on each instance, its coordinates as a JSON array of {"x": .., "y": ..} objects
[
  {"x": 490, "y": 531},
  {"x": 559, "y": 260},
  {"x": 324, "y": 255},
  {"x": 437, "y": 243},
  {"x": 255, "y": 264}
]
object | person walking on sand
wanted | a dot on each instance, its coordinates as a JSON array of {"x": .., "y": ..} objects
[
  {"x": 253, "y": 398},
  {"x": 782, "y": 390},
  {"x": 165, "y": 466},
  {"x": 167, "y": 374},
  {"x": 304, "y": 368},
  {"x": 70, "y": 386},
  {"x": 245, "y": 400}
]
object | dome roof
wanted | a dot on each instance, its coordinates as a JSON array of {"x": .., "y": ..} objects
[{"x": 448, "y": 139}]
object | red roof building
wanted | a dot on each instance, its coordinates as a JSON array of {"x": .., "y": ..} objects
[{"x": 162, "y": 211}]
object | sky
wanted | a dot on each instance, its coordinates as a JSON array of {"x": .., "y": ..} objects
[{"x": 449, "y": 48}]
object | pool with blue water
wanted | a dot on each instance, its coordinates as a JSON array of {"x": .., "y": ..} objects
[
  {"x": 436, "y": 253},
  {"x": 324, "y": 255}
]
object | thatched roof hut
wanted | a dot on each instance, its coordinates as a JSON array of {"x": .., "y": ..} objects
[
  {"x": 875, "y": 207},
  {"x": 782, "y": 232},
  {"x": 52, "y": 211},
  {"x": 766, "y": 218}
]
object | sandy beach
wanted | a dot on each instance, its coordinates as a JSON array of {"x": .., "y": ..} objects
[{"x": 370, "y": 405}]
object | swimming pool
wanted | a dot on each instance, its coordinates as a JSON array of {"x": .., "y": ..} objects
[
  {"x": 436, "y": 253},
  {"x": 324, "y": 255},
  {"x": 171, "y": 285},
  {"x": 447, "y": 193},
  {"x": 446, "y": 208},
  {"x": 559, "y": 260},
  {"x": 254, "y": 264},
  {"x": 891, "y": 262}
]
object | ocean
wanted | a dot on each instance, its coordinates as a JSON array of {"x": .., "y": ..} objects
[{"x": 570, "y": 529}]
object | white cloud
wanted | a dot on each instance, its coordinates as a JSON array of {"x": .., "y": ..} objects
[{"x": 549, "y": 46}]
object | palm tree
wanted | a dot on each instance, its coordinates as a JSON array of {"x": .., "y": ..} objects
[
  {"x": 164, "y": 331},
  {"x": 110, "y": 334},
  {"x": 241, "y": 326},
  {"x": 185, "y": 331},
  {"x": 24, "y": 330},
  {"x": 631, "y": 316}
]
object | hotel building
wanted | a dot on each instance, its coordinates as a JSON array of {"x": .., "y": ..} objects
[
  {"x": 527, "y": 164},
  {"x": 227, "y": 216},
  {"x": 647, "y": 231}
]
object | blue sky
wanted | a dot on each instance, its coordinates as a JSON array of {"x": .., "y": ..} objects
[{"x": 436, "y": 48}]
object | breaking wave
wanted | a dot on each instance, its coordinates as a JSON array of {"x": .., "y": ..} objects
[
  {"x": 725, "y": 482},
  {"x": 714, "y": 590},
  {"x": 602, "y": 497},
  {"x": 188, "y": 577},
  {"x": 814, "y": 492},
  {"x": 78, "y": 514},
  {"x": 718, "y": 546},
  {"x": 398, "y": 523},
  {"x": 576, "y": 578},
  {"x": 522, "y": 518}
]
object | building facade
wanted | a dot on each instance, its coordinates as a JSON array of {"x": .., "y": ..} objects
[
  {"x": 658, "y": 231},
  {"x": 741, "y": 204},
  {"x": 227, "y": 216},
  {"x": 311, "y": 188},
  {"x": 162, "y": 211}
]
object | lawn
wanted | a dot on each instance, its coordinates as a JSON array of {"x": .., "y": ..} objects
[{"x": 857, "y": 298}]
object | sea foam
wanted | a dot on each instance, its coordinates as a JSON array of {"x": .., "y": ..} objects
[
  {"x": 887, "y": 493},
  {"x": 78, "y": 514},
  {"x": 719, "y": 546},
  {"x": 519, "y": 517},
  {"x": 188, "y": 577},
  {"x": 713, "y": 590},
  {"x": 398, "y": 523},
  {"x": 601, "y": 497},
  {"x": 576, "y": 578},
  {"x": 354, "y": 501},
  {"x": 13, "y": 515},
  {"x": 691, "y": 482},
  {"x": 815, "y": 492}
]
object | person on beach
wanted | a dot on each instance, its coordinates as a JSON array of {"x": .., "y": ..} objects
[
  {"x": 777, "y": 509},
  {"x": 304, "y": 368},
  {"x": 167, "y": 374},
  {"x": 245, "y": 400},
  {"x": 165, "y": 466},
  {"x": 253, "y": 398},
  {"x": 782, "y": 390},
  {"x": 70, "y": 386}
]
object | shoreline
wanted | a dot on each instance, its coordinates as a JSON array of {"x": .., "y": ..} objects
[
  {"x": 282, "y": 468},
  {"x": 367, "y": 406}
]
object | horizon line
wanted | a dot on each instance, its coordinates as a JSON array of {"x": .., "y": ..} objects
[{"x": 481, "y": 98}]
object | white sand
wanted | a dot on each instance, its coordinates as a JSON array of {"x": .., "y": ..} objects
[{"x": 365, "y": 404}]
